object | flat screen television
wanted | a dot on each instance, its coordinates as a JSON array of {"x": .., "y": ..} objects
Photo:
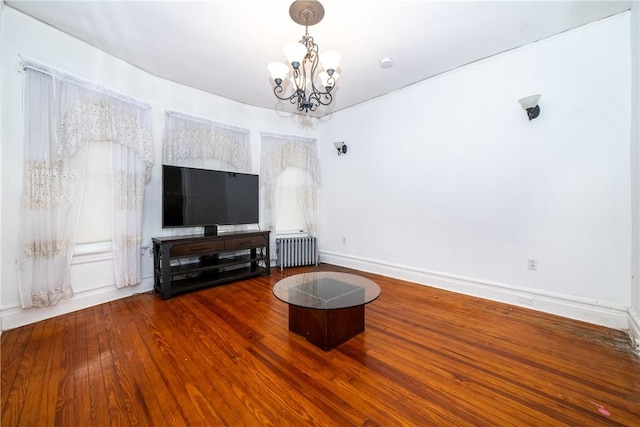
[{"x": 194, "y": 197}]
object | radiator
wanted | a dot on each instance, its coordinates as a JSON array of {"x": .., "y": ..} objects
[{"x": 296, "y": 251}]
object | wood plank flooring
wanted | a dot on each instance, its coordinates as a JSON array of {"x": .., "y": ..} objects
[{"x": 224, "y": 356}]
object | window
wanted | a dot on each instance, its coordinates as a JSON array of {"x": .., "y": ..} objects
[
  {"x": 85, "y": 117},
  {"x": 288, "y": 183},
  {"x": 289, "y": 213},
  {"x": 96, "y": 217}
]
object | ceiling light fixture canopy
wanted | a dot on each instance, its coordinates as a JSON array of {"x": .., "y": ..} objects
[{"x": 303, "y": 59}]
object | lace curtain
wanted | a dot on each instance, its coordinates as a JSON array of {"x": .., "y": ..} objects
[
  {"x": 62, "y": 115},
  {"x": 197, "y": 142},
  {"x": 280, "y": 152}
]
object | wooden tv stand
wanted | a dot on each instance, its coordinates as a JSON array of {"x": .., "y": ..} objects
[{"x": 186, "y": 263}]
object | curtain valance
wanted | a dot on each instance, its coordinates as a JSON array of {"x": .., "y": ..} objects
[{"x": 198, "y": 142}]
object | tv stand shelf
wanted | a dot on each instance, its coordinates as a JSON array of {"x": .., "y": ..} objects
[{"x": 186, "y": 263}]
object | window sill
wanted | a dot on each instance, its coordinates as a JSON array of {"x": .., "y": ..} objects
[{"x": 92, "y": 252}]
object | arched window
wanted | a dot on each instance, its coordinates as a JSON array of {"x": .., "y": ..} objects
[{"x": 289, "y": 179}]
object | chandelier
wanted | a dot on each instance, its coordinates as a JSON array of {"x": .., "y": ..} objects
[{"x": 310, "y": 89}]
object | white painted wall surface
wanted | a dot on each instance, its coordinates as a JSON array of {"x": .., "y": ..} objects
[
  {"x": 92, "y": 274},
  {"x": 446, "y": 182},
  {"x": 634, "y": 310},
  {"x": 2, "y": 6}
]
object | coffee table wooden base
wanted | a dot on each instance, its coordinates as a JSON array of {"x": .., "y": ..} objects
[{"x": 326, "y": 329}]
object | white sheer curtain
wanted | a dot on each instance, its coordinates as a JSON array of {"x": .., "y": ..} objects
[
  {"x": 129, "y": 178},
  {"x": 280, "y": 152},
  {"x": 198, "y": 142},
  {"x": 62, "y": 115},
  {"x": 201, "y": 143}
]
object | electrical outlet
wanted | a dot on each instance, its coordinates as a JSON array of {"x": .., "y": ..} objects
[
  {"x": 344, "y": 240},
  {"x": 532, "y": 264}
]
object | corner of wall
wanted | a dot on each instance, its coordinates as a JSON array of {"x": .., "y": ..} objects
[
  {"x": 634, "y": 330},
  {"x": 2, "y": 48},
  {"x": 635, "y": 156}
]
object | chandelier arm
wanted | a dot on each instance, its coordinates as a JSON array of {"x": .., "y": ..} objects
[
  {"x": 303, "y": 77},
  {"x": 321, "y": 98},
  {"x": 314, "y": 59},
  {"x": 279, "y": 89},
  {"x": 328, "y": 97},
  {"x": 331, "y": 83},
  {"x": 314, "y": 67},
  {"x": 299, "y": 76}
]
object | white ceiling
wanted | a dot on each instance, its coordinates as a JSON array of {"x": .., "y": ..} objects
[{"x": 223, "y": 47}]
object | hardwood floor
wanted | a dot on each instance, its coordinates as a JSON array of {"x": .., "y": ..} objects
[{"x": 224, "y": 356}]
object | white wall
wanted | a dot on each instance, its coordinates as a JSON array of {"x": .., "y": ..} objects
[
  {"x": 634, "y": 311},
  {"x": 2, "y": 6},
  {"x": 92, "y": 274},
  {"x": 447, "y": 183}
]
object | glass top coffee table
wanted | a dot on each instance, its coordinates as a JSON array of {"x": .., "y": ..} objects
[{"x": 326, "y": 308}]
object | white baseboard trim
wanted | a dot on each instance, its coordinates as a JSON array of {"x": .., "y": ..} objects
[
  {"x": 596, "y": 312},
  {"x": 14, "y": 317},
  {"x": 634, "y": 329},
  {"x": 609, "y": 315}
]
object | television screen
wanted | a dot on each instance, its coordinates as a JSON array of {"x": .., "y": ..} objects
[{"x": 199, "y": 197}]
